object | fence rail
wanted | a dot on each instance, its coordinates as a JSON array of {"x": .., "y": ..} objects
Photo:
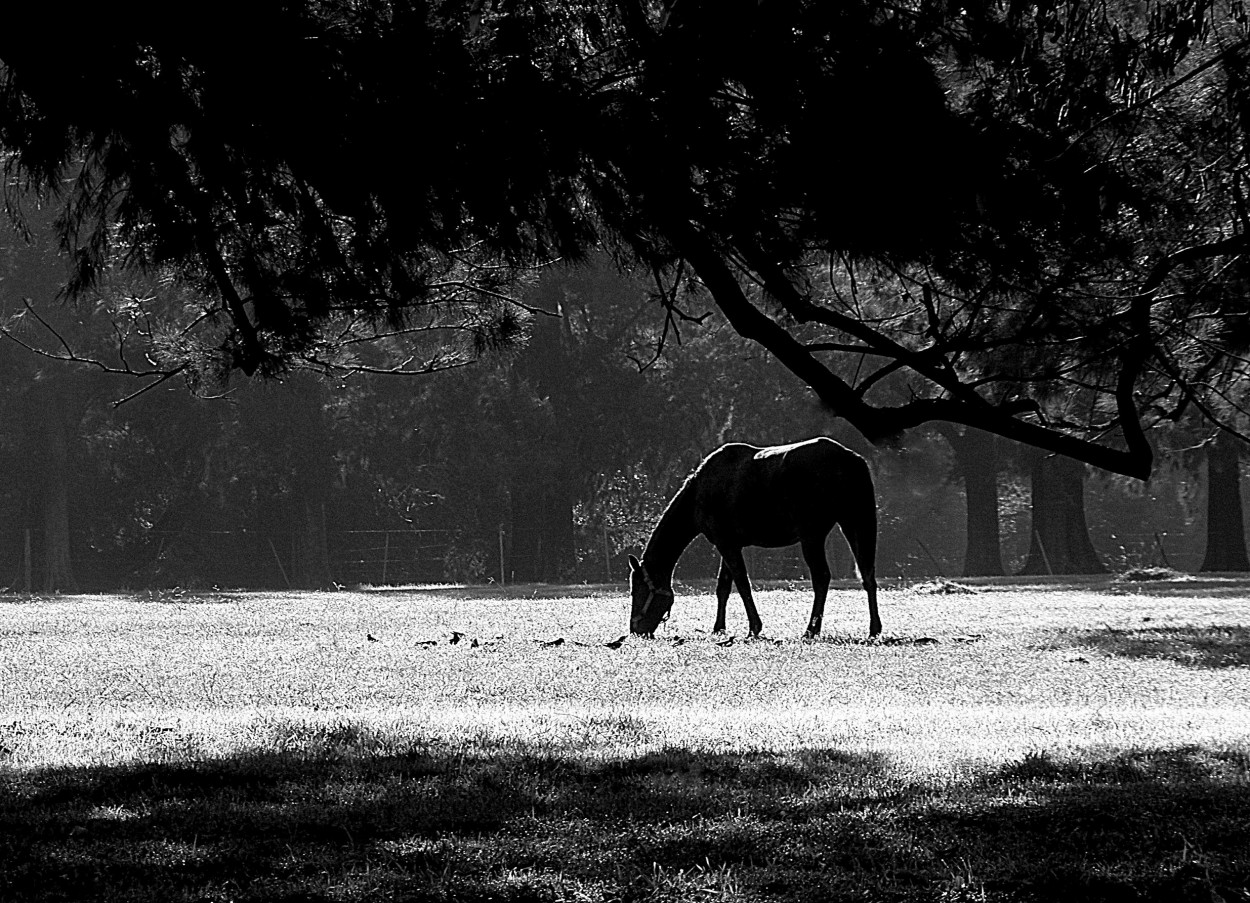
[{"x": 381, "y": 556}]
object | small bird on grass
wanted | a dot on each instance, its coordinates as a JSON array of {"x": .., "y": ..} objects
[{"x": 616, "y": 644}]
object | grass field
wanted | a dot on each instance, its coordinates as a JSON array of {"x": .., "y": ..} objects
[{"x": 1020, "y": 742}]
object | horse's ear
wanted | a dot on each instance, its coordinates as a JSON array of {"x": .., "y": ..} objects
[{"x": 634, "y": 564}]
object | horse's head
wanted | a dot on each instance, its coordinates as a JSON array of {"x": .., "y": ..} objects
[{"x": 651, "y": 602}]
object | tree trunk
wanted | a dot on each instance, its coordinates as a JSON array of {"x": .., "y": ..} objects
[
  {"x": 303, "y": 398},
  {"x": 1226, "y": 529},
  {"x": 543, "y": 547},
  {"x": 543, "y": 543},
  {"x": 312, "y": 563},
  {"x": 976, "y": 461},
  {"x": 58, "y": 574},
  {"x": 1060, "y": 542}
]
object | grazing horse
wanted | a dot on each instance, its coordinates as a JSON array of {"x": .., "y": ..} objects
[{"x": 746, "y": 496}]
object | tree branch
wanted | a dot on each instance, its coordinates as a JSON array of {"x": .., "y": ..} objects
[
  {"x": 71, "y": 356},
  {"x": 880, "y": 424}
]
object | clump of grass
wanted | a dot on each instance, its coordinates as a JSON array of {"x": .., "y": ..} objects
[
  {"x": 943, "y": 587},
  {"x": 702, "y": 881},
  {"x": 1150, "y": 574}
]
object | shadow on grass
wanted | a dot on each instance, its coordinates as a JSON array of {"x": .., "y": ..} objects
[
  {"x": 1197, "y": 647},
  {"x": 351, "y": 818}
]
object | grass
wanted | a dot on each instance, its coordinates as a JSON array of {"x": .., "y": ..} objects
[{"x": 1016, "y": 742}]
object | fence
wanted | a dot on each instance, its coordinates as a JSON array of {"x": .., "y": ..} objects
[
  {"x": 233, "y": 558},
  {"x": 415, "y": 555},
  {"x": 390, "y": 556}
]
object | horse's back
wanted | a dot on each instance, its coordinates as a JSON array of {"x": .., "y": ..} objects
[
  {"x": 820, "y": 448},
  {"x": 820, "y": 445},
  {"x": 818, "y": 452},
  {"x": 817, "y": 475},
  {"x": 771, "y": 496}
]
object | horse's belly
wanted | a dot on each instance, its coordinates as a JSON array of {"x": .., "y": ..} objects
[
  {"x": 771, "y": 539},
  {"x": 771, "y": 532}
]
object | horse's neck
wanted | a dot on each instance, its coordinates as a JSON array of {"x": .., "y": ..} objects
[{"x": 671, "y": 535}]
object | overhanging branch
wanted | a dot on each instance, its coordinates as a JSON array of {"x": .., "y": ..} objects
[{"x": 880, "y": 424}]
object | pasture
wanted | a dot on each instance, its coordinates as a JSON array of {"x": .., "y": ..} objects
[{"x": 1022, "y": 742}]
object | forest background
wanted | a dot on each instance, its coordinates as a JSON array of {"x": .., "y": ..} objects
[{"x": 548, "y": 460}]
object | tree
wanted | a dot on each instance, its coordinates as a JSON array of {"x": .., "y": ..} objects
[
  {"x": 1226, "y": 530},
  {"x": 1027, "y": 173},
  {"x": 309, "y": 462},
  {"x": 1060, "y": 541},
  {"x": 547, "y": 476},
  {"x": 45, "y": 410},
  {"x": 976, "y": 462}
]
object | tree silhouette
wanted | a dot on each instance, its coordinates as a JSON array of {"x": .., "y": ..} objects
[{"x": 1062, "y": 176}]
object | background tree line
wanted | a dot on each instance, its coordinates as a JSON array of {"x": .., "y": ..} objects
[{"x": 545, "y": 461}]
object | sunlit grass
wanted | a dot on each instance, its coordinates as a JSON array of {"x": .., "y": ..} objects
[{"x": 1019, "y": 742}]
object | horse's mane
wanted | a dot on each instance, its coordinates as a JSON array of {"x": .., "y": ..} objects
[{"x": 672, "y": 512}]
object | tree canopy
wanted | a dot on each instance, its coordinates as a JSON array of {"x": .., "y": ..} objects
[{"x": 1023, "y": 198}]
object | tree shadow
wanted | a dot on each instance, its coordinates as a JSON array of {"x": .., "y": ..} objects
[
  {"x": 1197, "y": 647},
  {"x": 1146, "y": 824},
  {"x": 352, "y": 818},
  {"x": 430, "y": 819}
]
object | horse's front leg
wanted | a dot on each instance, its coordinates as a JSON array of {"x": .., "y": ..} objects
[
  {"x": 818, "y": 564},
  {"x": 732, "y": 560},
  {"x": 724, "y": 585}
]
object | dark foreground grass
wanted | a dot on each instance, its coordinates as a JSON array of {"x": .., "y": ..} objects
[{"x": 352, "y": 818}]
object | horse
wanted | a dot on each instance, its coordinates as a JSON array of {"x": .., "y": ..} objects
[{"x": 743, "y": 495}]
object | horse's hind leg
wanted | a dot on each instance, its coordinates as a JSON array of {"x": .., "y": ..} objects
[
  {"x": 874, "y": 622},
  {"x": 732, "y": 560},
  {"x": 724, "y": 585},
  {"x": 818, "y": 564},
  {"x": 863, "y": 543}
]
